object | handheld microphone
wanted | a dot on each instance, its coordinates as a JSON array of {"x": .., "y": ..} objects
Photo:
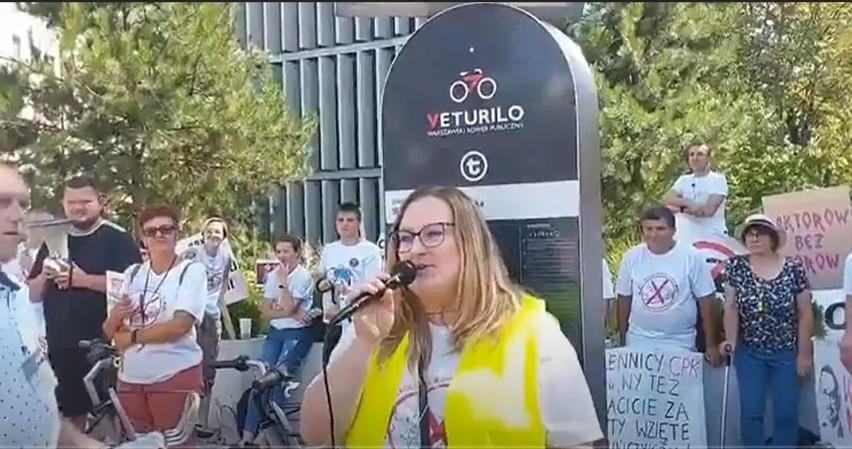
[{"x": 402, "y": 273}]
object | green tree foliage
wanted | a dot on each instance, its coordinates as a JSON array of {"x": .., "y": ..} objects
[
  {"x": 158, "y": 102},
  {"x": 761, "y": 83}
]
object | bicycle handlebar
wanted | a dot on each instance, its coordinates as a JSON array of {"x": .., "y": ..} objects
[
  {"x": 267, "y": 377},
  {"x": 97, "y": 350},
  {"x": 242, "y": 363},
  {"x": 268, "y": 380}
]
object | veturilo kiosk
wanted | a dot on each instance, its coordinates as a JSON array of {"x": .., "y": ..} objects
[{"x": 489, "y": 98}]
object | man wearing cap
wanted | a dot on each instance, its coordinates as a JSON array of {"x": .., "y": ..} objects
[{"x": 662, "y": 286}]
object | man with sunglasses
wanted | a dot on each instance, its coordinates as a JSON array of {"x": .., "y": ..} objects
[{"x": 74, "y": 299}]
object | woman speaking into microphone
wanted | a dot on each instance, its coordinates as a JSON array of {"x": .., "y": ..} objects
[{"x": 461, "y": 357}]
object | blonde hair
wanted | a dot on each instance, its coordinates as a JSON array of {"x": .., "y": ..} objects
[{"x": 486, "y": 295}]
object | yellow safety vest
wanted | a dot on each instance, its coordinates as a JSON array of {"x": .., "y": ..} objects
[{"x": 492, "y": 400}]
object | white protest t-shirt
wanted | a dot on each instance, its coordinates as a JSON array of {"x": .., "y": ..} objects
[
  {"x": 698, "y": 190},
  {"x": 664, "y": 289},
  {"x": 30, "y": 414},
  {"x": 608, "y": 288},
  {"x": 348, "y": 265},
  {"x": 151, "y": 363},
  {"x": 301, "y": 286},
  {"x": 847, "y": 276},
  {"x": 215, "y": 266},
  {"x": 566, "y": 407}
]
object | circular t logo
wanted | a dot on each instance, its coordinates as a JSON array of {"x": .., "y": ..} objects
[{"x": 473, "y": 166}]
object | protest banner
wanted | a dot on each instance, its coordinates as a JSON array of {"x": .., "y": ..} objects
[
  {"x": 819, "y": 231},
  {"x": 715, "y": 248},
  {"x": 237, "y": 290},
  {"x": 833, "y": 391},
  {"x": 655, "y": 399},
  {"x": 833, "y": 304}
]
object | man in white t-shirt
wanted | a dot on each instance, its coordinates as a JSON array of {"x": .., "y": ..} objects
[
  {"x": 661, "y": 288},
  {"x": 345, "y": 262},
  {"x": 846, "y": 341},
  {"x": 700, "y": 193}
]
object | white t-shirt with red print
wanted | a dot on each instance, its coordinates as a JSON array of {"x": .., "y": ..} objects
[
  {"x": 565, "y": 403},
  {"x": 155, "y": 299}
]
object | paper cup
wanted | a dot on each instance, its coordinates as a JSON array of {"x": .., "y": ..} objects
[{"x": 245, "y": 328}]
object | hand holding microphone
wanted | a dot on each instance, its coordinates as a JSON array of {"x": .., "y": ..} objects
[{"x": 372, "y": 304}]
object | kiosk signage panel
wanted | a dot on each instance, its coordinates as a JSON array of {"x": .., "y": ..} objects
[{"x": 488, "y": 98}]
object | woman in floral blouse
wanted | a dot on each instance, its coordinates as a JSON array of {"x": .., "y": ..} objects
[{"x": 768, "y": 323}]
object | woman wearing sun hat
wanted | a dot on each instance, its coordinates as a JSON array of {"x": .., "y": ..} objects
[{"x": 768, "y": 323}]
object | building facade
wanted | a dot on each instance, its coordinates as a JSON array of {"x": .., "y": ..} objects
[
  {"x": 21, "y": 32},
  {"x": 332, "y": 68}
]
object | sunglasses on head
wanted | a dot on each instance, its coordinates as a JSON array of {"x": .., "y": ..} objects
[{"x": 165, "y": 230}]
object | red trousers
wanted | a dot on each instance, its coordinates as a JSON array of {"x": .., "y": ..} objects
[{"x": 159, "y": 406}]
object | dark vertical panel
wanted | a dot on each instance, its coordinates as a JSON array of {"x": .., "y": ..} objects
[
  {"x": 272, "y": 19},
  {"x": 366, "y": 108},
  {"x": 384, "y": 57},
  {"x": 313, "y": 211},
  {"x": 307, "y": 25},
  {"x": 346, "y": 111},
  {"x": 296, "y": 208},
  {"x": 293, "y": 87},
  {"x": 383, "y": 27},
  {"x": 290, "y": 26},
  {"x": 363, "y": 29},
  {"x": 278, "y": 74},
  {"x": 310, "y": 103},
  {"x": 330, "y": 201},
  {"x": 263, "y": 208},
  {"x": 279, "y": 212},
  {"x": 344, "y": 30},
  {"x": 254, "y": 19},
  {"x": 240, "y": 29},
  {"x": 328, "y": 113},
  {"x": 401, "y": 26},
  {"x": 369, "y": 201},
  {"x": 349, "y": 191},
  {"x": 325, "y": 24}
]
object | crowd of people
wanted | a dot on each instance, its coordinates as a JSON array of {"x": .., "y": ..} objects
[
  {"x": 166, "y": 325},
  {"x": 666, "y": 297},
  {"x": 407, "y": 370}
]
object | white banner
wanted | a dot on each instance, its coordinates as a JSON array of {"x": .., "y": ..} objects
[
  {"x": 237, "y": 290},
  {"x": 655, "y": 399},
  {"x": 833, "y": 390}
]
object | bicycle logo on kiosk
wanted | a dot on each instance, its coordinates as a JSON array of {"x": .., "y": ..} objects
[{"x": 473, "y": 81}]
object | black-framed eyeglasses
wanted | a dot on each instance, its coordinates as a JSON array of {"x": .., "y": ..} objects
[{"x": 430, "y": 236}]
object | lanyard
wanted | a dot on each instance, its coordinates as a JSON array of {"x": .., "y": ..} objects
[{"x": 423, "y": 394}]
